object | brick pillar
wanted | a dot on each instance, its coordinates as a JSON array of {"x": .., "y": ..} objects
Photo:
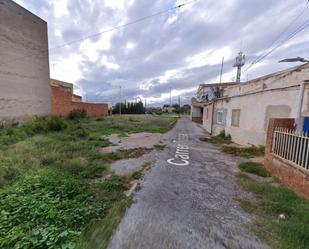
[{"x": 274, "y": 123}]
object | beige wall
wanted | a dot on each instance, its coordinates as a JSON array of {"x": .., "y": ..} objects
[
  {"x": 255, "y": 112},
  {"x": 24, "y": 64},
  {"x": 207, "y": 117}
]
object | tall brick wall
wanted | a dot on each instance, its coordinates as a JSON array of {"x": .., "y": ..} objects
[
  {"x": 289, "y": 174},
  {"x": 62, "y": 104}
]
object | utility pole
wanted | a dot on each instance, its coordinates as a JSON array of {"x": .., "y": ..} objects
[
  {"x": 240, "y": 62},
  {"x": 179, "y": 105},
  {"x": 120, "y": 101},
  {"x": 170, "y": 97},
  {"x": 221, "y": 70}
]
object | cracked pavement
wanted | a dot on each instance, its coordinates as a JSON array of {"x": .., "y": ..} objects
[{"x": 188, "y": 207}]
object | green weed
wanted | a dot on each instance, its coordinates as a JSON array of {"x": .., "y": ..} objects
[
  {"x": 254, "y": 168},
  {"x": 289, "y": 233},
  {"x": 222, "y": 138},
  {"x": 248, "y": 152},
  {"x": 137, "y": 175},
  {"x": 48, "y": 210},
  {"x": 160, "y": 147}
]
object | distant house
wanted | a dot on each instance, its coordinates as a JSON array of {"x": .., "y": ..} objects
[
  {"x": 24, "y": 65},
  {"x": 64, "y": 101},
  {"x": 168, "y": 109},
  {"x": 243, "y": 110},
  {"x": 202, "y": 104}
]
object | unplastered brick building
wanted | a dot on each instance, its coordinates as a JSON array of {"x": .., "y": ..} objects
[{"x": 64, "y": 101}]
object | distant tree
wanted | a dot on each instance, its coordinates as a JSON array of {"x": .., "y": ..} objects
[
  {"x": 129, "y": 108},
  {"x": 185, "y": 109},
  {"x": 176, "y": 108}
]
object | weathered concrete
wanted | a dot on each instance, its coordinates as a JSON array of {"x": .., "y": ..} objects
[
  {"x": 194, "y": 206},
  {"x": 132, "y": 141},
  {"x": 24, "y": 64}
]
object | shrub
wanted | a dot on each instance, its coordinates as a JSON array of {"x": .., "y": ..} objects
[
  {"x": 80, "y": 132},
  {"x": 37, "y": 125},
  {"x": 137, "y": 175},
  {"x": 78, "y": 114},
  {"x": 56, "y": 124}
]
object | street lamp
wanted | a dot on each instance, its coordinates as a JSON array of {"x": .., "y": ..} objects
[
  {"x": 299, "y": 121},
  {"x": 297, "y": 59}
]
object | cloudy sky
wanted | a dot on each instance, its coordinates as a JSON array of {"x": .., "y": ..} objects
[{"x": 177, "y": 50}]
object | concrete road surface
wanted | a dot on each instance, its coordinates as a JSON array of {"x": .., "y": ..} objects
[{"x": 187, "y": 201}]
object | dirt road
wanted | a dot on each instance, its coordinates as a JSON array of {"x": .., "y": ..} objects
[{"x": 188, "y": 200}]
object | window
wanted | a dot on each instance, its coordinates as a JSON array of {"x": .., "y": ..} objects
[
  {"x": 220, "y": 117},
  {"x": 235, "y": 117},
  {"x": 207, "y": 114}
]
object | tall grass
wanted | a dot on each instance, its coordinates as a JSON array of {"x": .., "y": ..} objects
[{"x": 273, "y": 200}]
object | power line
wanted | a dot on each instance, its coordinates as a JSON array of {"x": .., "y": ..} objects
[
  {"x": 123, "y": 25},
  {"x": 108, "y": 30},
  {"x": 285, "y": 29},
  {"x": 290, "y": 36},
  {"x": 298, "y": 30}
]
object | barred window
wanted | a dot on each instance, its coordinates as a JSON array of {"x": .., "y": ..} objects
[{"x": 220, "y": 117}]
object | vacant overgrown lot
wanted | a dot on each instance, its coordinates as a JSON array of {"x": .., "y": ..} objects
[{"x": 56, "y": 189}]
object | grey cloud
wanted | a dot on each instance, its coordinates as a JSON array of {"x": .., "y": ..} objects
[{"x": 202, "y": 26}]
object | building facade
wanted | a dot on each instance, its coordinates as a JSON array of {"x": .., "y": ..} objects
[
  {"x": 202, "y": 104},
  {"x": 246, "y": 108},
  {"x": 24, "y": 64}
]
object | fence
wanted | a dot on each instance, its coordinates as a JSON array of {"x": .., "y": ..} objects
[{"x": 292, "y": 146}]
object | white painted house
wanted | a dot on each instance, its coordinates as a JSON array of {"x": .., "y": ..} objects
[{"x": 245, "y": 109}]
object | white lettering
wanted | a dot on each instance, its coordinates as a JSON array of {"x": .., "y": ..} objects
[
  {"x": 184, "y": 162},
  {"x": 182, "y": 153},
  {"x": 186, "y": 157}
]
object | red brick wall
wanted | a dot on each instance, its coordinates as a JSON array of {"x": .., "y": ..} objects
[
  {"x": 287, "y": 123},
  {"x": 93, "y": 110},
  {"x": 62, "y": 105},
  {"x": 289, "y": 174}
]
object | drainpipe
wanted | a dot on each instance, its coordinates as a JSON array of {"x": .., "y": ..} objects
[
  {"x": 212, "y": 117},
  {"x": 299, "y": 120}
]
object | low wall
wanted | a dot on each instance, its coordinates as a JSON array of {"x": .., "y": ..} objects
[
  {"x": 62, "y": 105},
  {"x": 288, "y": 173},
  {"x": 93, "y": 110}
]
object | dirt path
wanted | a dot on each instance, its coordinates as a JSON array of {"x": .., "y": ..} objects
[{"x": 187, "y": 203}]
